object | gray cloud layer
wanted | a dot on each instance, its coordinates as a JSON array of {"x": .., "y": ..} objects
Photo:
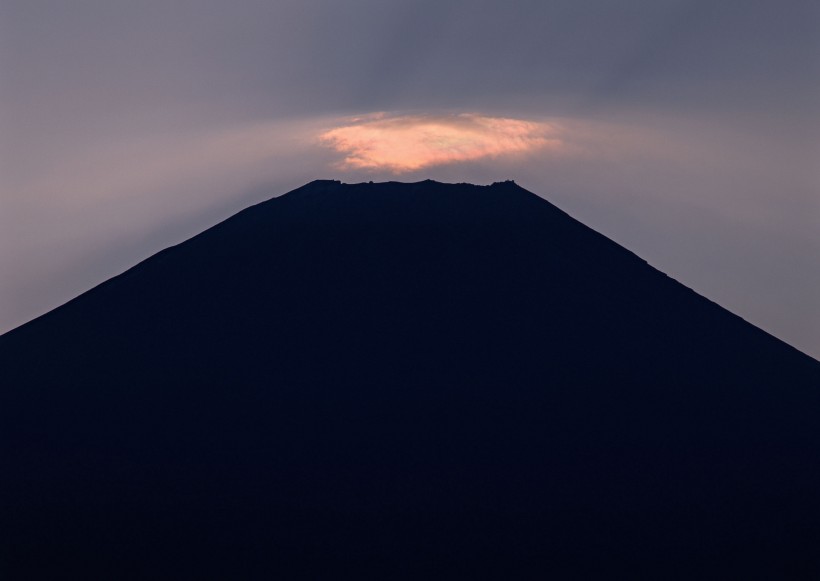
[{"x": 693, "y": 126}]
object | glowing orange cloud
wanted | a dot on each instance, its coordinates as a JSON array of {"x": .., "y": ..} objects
[{"x": 411, "y": 142}]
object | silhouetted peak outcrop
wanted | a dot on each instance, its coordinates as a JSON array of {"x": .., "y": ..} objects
[{"x": 404, "y": 380}]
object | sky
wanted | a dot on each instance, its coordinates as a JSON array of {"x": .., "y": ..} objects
[{"x": 686, "y": 130}]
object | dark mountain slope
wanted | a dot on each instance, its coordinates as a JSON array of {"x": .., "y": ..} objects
[{"x": 404, "y": 380}]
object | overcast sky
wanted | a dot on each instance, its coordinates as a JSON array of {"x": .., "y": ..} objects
[{"x": 686, "y": 130}]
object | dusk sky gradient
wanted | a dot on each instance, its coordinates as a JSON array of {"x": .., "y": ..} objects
[{"x": 686, "y": 130}]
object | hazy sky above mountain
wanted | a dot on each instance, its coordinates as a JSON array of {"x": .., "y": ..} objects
[{"x": 687, "y": 130}]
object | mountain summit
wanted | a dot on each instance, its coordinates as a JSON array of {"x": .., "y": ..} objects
[{"x": 404, "y": 381}]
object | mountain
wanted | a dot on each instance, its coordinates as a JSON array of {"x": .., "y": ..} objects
[{"x": 404, "y": 381}]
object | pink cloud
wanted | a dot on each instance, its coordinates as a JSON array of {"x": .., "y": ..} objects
[{"x": 407, "y": 143}]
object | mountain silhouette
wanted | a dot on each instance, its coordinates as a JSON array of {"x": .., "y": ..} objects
[{"x": 398, "y": 380}]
